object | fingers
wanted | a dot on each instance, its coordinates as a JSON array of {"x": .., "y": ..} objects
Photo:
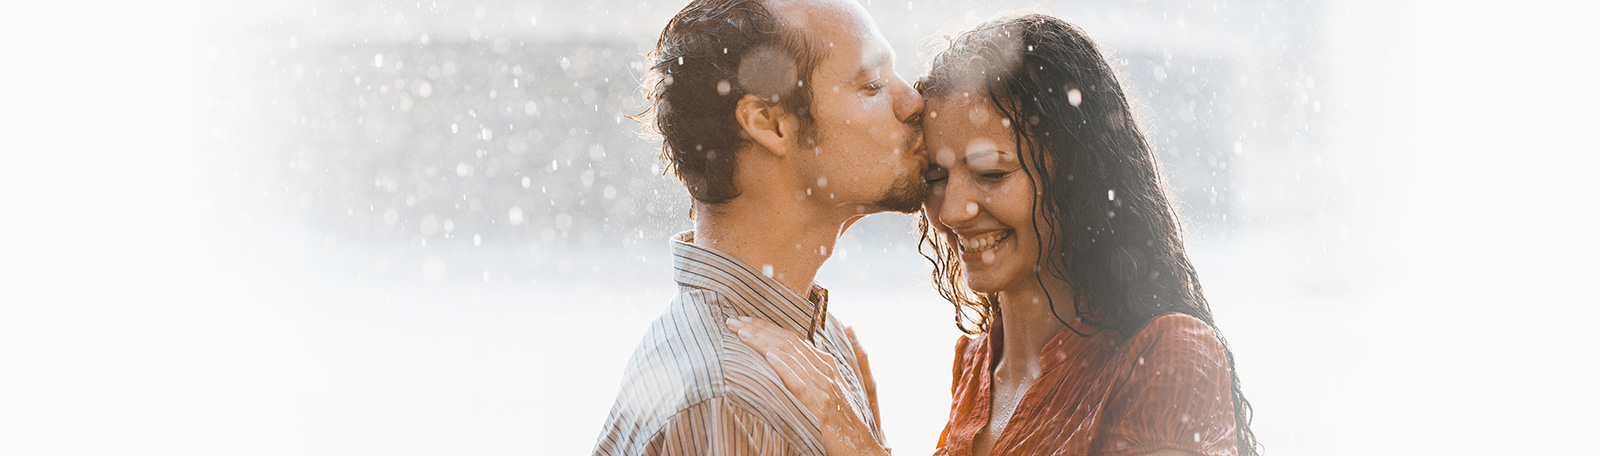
[
  {"x": 861, "y": 353},
  {"x": 791, "y": 378},
  {"x": 768, "y": 338},
  {"x": 868, "y": 384},
  {"x": 763, "y": 336}
]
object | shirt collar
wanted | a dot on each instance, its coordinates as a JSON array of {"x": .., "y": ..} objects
[
  {"x": 755, "y": 294},
  {"x": 1069, "y": 343}
]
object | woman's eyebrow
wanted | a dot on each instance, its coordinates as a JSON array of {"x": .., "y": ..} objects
[{"x": 981, "y": 153}]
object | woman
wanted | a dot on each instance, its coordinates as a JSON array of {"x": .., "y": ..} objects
[{"x": 1051, "y": 230}]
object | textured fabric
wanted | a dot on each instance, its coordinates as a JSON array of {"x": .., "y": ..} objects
[
  {"x": 1166, "y": 386},
  {"x": 693, "y": 388}
]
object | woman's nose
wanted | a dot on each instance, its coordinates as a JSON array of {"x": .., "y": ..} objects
[{"x": 958, "y": 206}]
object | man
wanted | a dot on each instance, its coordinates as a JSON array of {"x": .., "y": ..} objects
[{"x": 786, "y": 121}]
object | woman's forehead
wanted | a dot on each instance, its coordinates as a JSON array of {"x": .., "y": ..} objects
[{"x": 963, "y": 126}]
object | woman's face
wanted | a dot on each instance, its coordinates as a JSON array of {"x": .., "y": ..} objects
[{"x": 979, "y": 193}]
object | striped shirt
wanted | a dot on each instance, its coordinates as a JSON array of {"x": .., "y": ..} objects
[{"x": 693, "y": 388}]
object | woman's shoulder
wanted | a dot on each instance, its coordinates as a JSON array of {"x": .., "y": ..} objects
[
  {"x": 971, "y": 347},
  {"x": 1175, "y": 336}
]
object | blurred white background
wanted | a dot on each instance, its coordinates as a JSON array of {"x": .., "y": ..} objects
[{"x": 423, "y": 227}]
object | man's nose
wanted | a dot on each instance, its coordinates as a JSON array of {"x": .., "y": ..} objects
[{"x": 908, "y": 103}]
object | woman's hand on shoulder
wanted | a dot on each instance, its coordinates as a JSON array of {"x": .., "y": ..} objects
[{"x": 813, "y": 377}]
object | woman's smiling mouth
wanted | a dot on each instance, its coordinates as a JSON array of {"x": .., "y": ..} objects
[{"x": 984, "y": 242}]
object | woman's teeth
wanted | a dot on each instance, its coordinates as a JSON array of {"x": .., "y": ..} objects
[{"x": 985, "y": 242}]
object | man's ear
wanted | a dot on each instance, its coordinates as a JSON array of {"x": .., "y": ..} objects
[{"x": 767, "y": 124}]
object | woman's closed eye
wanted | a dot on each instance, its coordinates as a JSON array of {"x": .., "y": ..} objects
[{"x": 994, "y": 175}]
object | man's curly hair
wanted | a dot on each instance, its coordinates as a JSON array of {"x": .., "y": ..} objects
[{"x": 710, "y": 55}]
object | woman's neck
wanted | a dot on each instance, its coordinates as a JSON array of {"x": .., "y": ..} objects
[{"x": 1028, "y": 324}]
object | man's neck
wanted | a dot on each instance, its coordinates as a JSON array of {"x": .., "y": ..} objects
[{"x": 788, "y": 240}]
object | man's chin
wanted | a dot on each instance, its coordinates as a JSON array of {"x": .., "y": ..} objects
[{"x": 905, "y": 197}]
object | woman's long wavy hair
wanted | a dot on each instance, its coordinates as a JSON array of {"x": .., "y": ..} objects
[{"x": 1109, "y": 228}]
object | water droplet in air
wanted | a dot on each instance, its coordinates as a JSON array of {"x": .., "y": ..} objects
[
  {"x": 515, "y": 215},
  {"x": 430, "y": 225},
  {"x": 1074, "y": 97}
]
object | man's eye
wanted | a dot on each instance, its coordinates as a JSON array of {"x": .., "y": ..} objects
[
  {"x": 874, "y": 87},
  {"x": 931, "y": 180},
  {"x": 997, "y": 175}
]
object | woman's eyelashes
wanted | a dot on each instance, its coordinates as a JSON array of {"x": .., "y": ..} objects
[
  {"x": 995, "y": 175},
  {"x": 937, "y": 174}
]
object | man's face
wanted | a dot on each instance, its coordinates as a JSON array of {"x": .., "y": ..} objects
[{"x": 868, "y": 153}]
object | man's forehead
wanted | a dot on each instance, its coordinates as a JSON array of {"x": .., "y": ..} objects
[
  {"x": 814, "y": 13},
  {"x": 838, "y": 25}
]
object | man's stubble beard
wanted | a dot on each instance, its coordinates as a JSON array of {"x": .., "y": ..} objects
[{"x": 909, "y": 190}]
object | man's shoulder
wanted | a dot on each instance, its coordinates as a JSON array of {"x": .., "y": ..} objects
[
  {"x": 688, "y": 356},
  {"x": 686, "y": 360},
  {"x": 680, "y": 355}
]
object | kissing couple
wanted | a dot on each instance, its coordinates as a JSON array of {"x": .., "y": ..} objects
[{"x": 1041, "y": 204}]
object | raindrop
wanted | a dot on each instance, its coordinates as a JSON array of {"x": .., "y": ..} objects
[
  {"x": 430, "y": 225},
  {"x": 377, "y": 61},
  {"x": 515, "y": 215},
  {"x": 723, "y": 87},
  {"x": 1074, "y": 97}
]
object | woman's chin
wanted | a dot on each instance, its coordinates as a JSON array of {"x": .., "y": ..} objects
[{"x": 981, "y": 284}]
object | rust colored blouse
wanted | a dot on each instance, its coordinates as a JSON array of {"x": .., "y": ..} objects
[{"x": 1166, "y": 386}]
